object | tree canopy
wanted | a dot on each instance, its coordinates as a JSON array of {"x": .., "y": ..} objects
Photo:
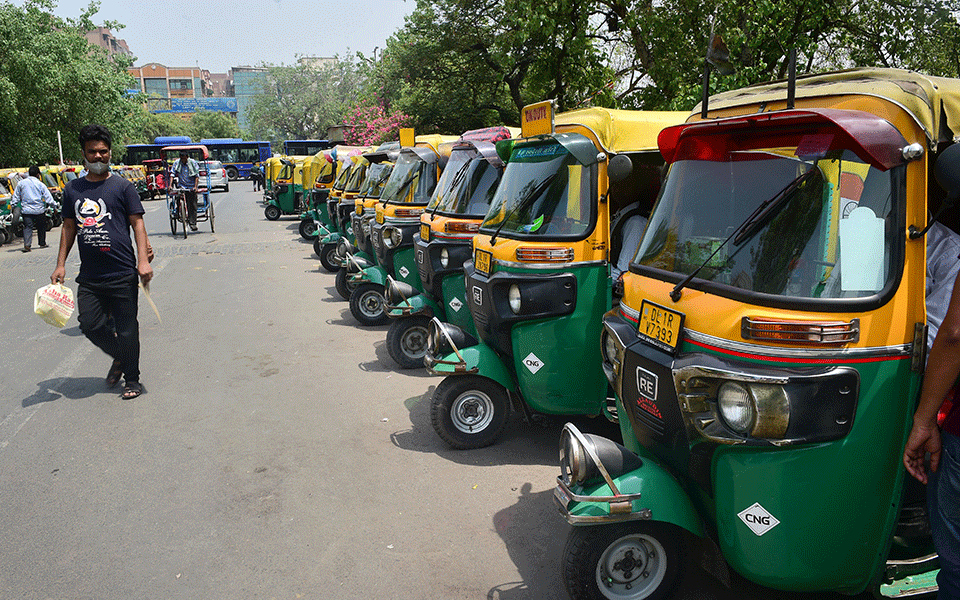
[{"x": 52, "y": 79}]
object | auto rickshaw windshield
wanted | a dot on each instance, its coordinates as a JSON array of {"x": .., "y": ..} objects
[
  {"x": 345, "y": 168},
  {"x": 467, "y": 185},
  {"x": 545, "y": 192},
  {"x": 776, "y": 220},
  {"x": 357, "y": 176},
  {"x": 377, "y": 175},
  {"x": 407, "y": 183}
]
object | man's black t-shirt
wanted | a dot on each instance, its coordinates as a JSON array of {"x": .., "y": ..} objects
[{"x": 101, "y": 210}]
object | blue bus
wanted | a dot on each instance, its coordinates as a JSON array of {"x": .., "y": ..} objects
[
  {"x": 236, "y": 155},
  {"x": 305, "y": 147}
]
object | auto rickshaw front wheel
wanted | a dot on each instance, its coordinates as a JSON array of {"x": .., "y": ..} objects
[
  {"x": 308, "y": 229},
  {"x": 367, "y": 304},
  {"x": 469, "y": 411},
  {"x": 327, "y": 252},
  {"x": 343, "y": 285},
  {"x": 271, "y": 212},
  {"x": 407, "y": 341},
  {"x": 633, "y": 560}
]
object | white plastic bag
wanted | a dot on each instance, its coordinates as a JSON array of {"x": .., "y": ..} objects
[{"x": 54, "y": 303}]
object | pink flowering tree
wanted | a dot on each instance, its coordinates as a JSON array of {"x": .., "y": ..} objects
[{"x": 371, "y": 124}]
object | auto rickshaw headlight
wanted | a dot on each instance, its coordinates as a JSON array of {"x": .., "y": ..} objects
[
  {"x": 579, "y": 453},
  {"x": 444, "y": 258},
  {"x": 760, "y": 410},
  {"x": 515, "y": 300},
  {"x": 388, "y": 237}
]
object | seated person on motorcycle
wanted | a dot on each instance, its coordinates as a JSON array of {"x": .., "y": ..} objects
[{"x": 187, "y": 170}]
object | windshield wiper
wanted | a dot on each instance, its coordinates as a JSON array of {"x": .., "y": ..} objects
[
  {"x": 766, "y": 211},
  {"x": 457, "y": 177},
  {"x": 403, "y": 186},
  {"x": 533, "y": 195}
]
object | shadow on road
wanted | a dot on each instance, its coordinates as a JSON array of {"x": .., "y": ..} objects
[{"x": 74, "y": 388}]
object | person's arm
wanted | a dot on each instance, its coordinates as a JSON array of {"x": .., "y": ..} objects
[
  {"x": 943, "y": 367},
  {"x": 68, "y": 235},
  {"x": 15, "y": 200},
  {"x": 144, "y": 252}
]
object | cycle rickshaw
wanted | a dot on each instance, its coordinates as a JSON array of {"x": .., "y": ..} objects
[{"x": 176, "y": 196}]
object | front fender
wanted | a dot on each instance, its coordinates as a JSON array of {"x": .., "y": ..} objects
[
  {"x": 480, "y": 359},
  {"x": 373, "y": 274},
  {"x": 331, "y": 238},
  {"x": 656, "y": 496},
  {"x": 421, "y": 304}
]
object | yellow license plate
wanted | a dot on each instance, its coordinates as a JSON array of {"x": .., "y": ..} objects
[
  {"x": 660, "y": 325},
  {"x": 482, "y": 260},
  {"x": 424, "y": 232}
]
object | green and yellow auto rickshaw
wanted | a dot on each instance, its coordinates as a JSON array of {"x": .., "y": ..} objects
[
  {"x": 396, "y": 223},
  {"x": 349, "y": 158},
  {"x": 540, "y": 279},
  {"x": 445, "y": 243},
  {"x": 319, "y": 173},
  {"x": 769, "y": 348},
  {"x": 272, "y": 167},
  {"x": 286, "y": 195}
]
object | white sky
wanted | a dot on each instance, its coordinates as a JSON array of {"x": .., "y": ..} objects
[{"x": 217, "y": 35}]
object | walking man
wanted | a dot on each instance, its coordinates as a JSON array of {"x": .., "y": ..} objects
[
  {"x": 33, "y": 198},
  {"x": 99, "y": 211}
]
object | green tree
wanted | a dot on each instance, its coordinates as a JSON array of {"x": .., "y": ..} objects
[
  {"x": 302, "y": 101},
  {"x": 148, "y": 126},
  {"x": 52, "y": 79},
  {"x": 209, "y": 124}
]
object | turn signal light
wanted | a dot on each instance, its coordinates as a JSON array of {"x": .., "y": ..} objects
[
  {"x": 408, "y": 212},
  {"x": 541, "y": 254},
  {"x": 832, "y": 333},
  {"x": 460, "y": 227}
]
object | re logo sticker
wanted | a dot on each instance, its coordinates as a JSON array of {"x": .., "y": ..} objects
[
  {"x": 456, "y": 305},
  {"x": 533, "y": 363},
  {"x": 758, "y": 519},
  {"x": 404, "y": 272}
]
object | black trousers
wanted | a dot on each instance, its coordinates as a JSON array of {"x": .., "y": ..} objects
[
  {"x": 36, "y": 223},
  {"x": 191, "y": 207},
  {"x": 107, "y": 311}
]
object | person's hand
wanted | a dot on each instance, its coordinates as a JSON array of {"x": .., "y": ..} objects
[
  {"x": 58, "y": 274},
  {"x": 145, "y": 271},
  {"x": 150, "y": 253},
  {"x": 924, "y": 437}
]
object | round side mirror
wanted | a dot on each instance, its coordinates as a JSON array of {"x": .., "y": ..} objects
[
  {"x": 619, "y": 168},
  {"x": 947, "y": 171}
]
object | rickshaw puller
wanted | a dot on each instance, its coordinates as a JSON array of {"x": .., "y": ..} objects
[{"x": 188, "y": 171}]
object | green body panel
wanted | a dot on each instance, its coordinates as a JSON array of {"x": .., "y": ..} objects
[
  {"x": 483, "y": 358},
  {"x": 452, "y": 287},
  {"x": 661, "y": 494},
  {"x": 836, "y": 502},
  {"x": 286, "y": 201},
  {"x": 331, "y": 238},
  {"x": 404, "y": 261},
  {"x": 909, "y": 586},
  {"x": 565, "y": 345}
]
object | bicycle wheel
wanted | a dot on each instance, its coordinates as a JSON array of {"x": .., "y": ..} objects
[
  {"x": 182, "y": 209},
  {"x": 210, "y": 215},
  {"x": 173, "y": 220}
]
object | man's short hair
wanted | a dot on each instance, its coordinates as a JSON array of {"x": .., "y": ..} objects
[
  {"x": 99, "y": 133},
  {"x": 34, "y": 171}
]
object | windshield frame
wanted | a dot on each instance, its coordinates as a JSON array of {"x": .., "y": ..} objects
[
  {"x": 406, "y": 162},
  {"x": 572, "y": 145},
  {"x": 896, "y": 250}
]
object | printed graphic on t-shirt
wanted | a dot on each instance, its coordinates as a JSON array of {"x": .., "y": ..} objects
[{"x": 90, "y": 214}]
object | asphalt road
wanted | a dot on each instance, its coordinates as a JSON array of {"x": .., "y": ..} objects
[{"x": 276, "y": 453}]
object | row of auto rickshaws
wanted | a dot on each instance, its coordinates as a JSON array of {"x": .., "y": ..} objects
[{"x": 760, "y": 350}]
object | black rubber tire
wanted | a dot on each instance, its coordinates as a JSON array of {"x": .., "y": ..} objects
[
  {"x": 327, "y": 254},
  {"x": 464, "y": 402},
  {"x": 173, "y": 225},
  {"x": 617, "y": 546},
  {"x": 184, "y": 219},
  {"x": 308, "y": 229},
  {"x": 232, "y": 173},
  {"x": 316, "y": 247},
  {"x": 210, "y": 215},
  {"x": 367, "y": 304},
  {"x": 407, "y": 341},
  {"x": 3, "y": 236},
  {"x": 344, "y": 287},
  {"x": 271, "y": 212}
]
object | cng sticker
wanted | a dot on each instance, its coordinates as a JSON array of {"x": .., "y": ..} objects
[
  {"x": 404, "y": 272},
  {"x": 456, "y": 305},
  {"x": 533, "y": 363},
  {"x": 758, "y": 519}
]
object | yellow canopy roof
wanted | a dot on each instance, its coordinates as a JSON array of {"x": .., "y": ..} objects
[
  {"x": 623, "y": 130},
  {"x": 934, "y": 102}
]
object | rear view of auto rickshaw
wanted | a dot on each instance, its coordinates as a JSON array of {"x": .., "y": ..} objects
[
  {"x": 319, "y": 173},
  {"x": 445, "y": 243},
  {"x": 769, "y": 347},
  {"x": 272, "y": 168},
  {"x": 286, "y": 195},
  {"x": 396, "y": 223},
  {"x": 540, "y": 279}
]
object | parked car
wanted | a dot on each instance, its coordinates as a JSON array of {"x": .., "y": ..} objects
[{"x": 218, "y": 175}]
